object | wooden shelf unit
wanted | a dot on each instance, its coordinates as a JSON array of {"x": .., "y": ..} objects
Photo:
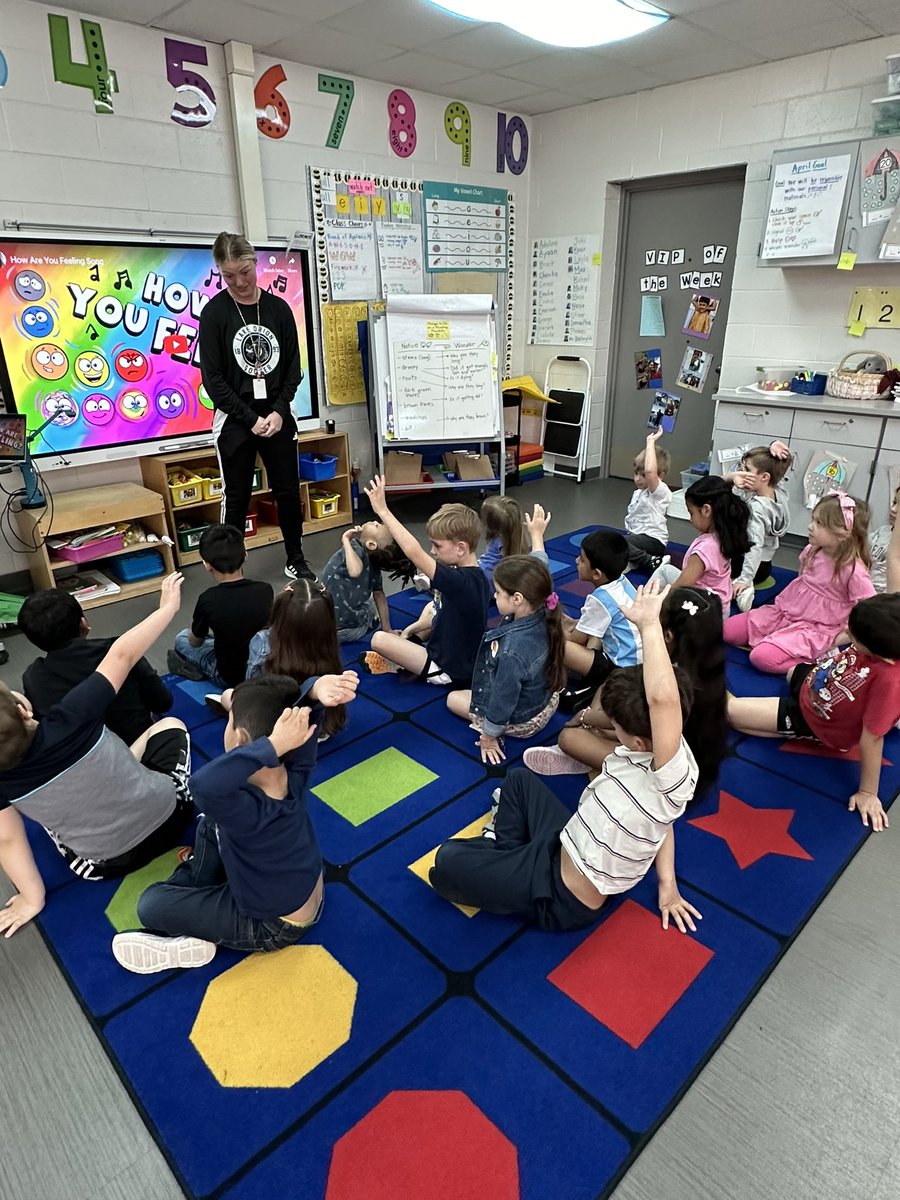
[
  {"x": 155, "y": 470},
  {"x": 89, "y": 508}
]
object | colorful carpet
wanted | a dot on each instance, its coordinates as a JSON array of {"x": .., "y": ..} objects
[{"x": 411, "y": 1047}]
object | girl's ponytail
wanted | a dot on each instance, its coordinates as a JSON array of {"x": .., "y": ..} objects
[
  {"x": 526, "y": 573},
  {"x": 730, "y": 515}
]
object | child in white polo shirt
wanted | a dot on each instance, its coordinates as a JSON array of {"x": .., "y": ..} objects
[
  {"x": 558, "y": 869},
  {"x": 645, "y": 521}
]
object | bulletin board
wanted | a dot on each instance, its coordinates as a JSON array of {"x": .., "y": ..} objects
[{"x": 373, "y": 202}]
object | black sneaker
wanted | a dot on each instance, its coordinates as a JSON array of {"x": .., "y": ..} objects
[
  {"x": 573, "y": 700},
  {"x": 299, "y": 568},
  {"x": 177, "y": 665}
]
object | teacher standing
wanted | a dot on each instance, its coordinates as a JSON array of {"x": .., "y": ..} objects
[{"x": 250, "y": 363}]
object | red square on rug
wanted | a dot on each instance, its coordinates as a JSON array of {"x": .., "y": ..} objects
[{"x": 630, "y": 972}]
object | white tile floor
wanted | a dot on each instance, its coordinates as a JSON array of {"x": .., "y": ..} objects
[{"x": 801, "y": 1102}]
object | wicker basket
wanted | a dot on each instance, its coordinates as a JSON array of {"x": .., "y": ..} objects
[{"x": 847, "y": 384}]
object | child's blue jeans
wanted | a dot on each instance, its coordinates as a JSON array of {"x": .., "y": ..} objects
[
  {"x": 196, "y": 901},
  {"x": 203, "y": 656}
]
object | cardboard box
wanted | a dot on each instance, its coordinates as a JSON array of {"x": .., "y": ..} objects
[
  {"x": 402, "y": 467},
  {"x": 467, "y": 465}
]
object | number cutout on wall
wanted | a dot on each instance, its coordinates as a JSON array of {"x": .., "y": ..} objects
[
  {"x": 273, "y": 116},
  {"x": 94, "y": 74},
  {"x": 506, "y": 133},
  {"x": 402, "y": 126},
  {"x": 458, "y": 126},
  {"x": 183, "y": 80},
  {"x": 344, "y": 90}
]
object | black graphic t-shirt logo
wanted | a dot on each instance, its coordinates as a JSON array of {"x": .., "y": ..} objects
[{"x": 256, "y": 349}]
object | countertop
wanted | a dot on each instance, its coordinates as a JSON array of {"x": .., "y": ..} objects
[{"x": 831, "y": 404}]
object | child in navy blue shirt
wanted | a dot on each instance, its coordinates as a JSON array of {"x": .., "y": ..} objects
[{"x": 254, "y": 879}]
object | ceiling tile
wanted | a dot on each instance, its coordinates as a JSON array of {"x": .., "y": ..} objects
[
  {"x": 412, "y": 23},
  {"x": 487, "y": 47},
  {"x": 616, "y": 82},
  {"x": 418, "y": 70},
  {"x": 886, "y": 18},
  {"x": 824, "y": 35},
  {"x": 309, "y": 10},
  {"x": 199, "y": 18},
  {"x": 728, "y": 58},
  {"x": 491, "y": 89},
  {"x": 560, "y": 69},
  {"x": 738, "y": 20},
  {"x": 675, "y": 40},
  {"x": 326, "y": 48},
  {"x": 140, "y": 12},
  {"x": 547, "y": 101}
]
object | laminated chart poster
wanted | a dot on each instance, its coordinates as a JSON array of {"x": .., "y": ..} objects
[
  {"x": 350, "y": 246},
  {"x": 400, "y": 258},
  {"x": 466, "y": 227},
  {"x": 805, "y": 210},
  {"x": 564, "y": 277}
]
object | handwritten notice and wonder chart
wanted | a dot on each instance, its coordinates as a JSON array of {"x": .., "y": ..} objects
[
  {"x": 350, "y": 246},
  {"x": 400, "y": 258},
  {"x": 466, "y": 227},
  {"x": 564, "y": 278},
  {"x": 805, "y": 210}
]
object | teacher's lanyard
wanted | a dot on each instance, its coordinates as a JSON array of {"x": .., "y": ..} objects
[{"x": 255, "y": 339}]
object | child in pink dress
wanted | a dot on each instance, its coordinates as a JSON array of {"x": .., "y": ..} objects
[
  {"x": 722, "y": 520},
  {"x": 813, "y": 609}
]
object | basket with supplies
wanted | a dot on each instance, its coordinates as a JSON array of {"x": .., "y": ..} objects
[
  {"x": 862, "y": 382},
  {"x": 809, "y": 383}
]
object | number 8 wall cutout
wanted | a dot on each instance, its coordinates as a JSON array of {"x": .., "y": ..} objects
[{"x": 195, "y": 106}]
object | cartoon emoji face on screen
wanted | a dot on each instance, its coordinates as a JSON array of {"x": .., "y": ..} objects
[
  {"x": 170, "y": 403},
  {"x": 60, "y": 407},
  {"x": 37, "y": 321},
  {"x": 49, "y": 361},
  {"x": 98, "y": 409},
  {"x": 29, "y": 285},
  {"x": 133, "y": 405},
  {"x": 131, "y": 365},
  {"x": 91, "y": 368}
]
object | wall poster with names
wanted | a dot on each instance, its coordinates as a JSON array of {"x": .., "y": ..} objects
[{"x": 564, "y": 274}]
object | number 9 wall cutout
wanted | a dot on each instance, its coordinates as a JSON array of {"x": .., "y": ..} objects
[{"x": 195, "y": 106}]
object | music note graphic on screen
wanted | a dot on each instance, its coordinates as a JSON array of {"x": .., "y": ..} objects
[
  {"x": 122, "y": 278},
  {"x": 213, "y": 275},
  {"x": 93, "y": 332},
  {"x": 281, "y": 282},
  {"x": 95, "y": 273}
]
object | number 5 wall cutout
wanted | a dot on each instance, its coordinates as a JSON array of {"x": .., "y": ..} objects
[{"x": 183, "y": 80}]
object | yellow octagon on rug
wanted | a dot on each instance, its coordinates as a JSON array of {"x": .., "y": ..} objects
[{"x": 271, "y": 1019}]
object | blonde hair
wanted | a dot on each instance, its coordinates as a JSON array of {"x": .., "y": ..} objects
[
  {"x": 853, "y": 543},
  {"x": 454, "y": 523},
  {"x": 502, "y": 517},
  {"x": 232, "y": 247},
  {"x": 663, "y": 461}
]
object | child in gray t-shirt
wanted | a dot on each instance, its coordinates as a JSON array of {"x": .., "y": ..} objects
[{"x": 352, "y": 577}]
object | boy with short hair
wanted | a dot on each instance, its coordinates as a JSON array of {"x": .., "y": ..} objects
[
  {"x": 558, "y": 869},
  {"x": 461, "y": 596},
  {"x": 759, "y": 484},
  {"x": 645, "y": 520},
  {"x": 850, "y": 697},
  {"x": 226, "y": 616},
  {"x": 109, "y": 808},
  {"x": 54, "y": 621},
  {"x": 254, "y": 879}
]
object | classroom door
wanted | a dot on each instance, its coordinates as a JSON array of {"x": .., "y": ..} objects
[{"x": 663, "y": 220}]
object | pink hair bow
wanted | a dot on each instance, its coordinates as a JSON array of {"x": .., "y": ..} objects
[
  {"x": 848, "y": 506},
  {"x": 552, "y": 601}
]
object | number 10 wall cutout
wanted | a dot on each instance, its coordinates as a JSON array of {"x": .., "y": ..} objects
[{"x": 195, "y": 106}]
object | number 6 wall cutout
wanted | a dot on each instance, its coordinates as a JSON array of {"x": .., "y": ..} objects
[
  {"x": 183, "y": 80},
  {"x": 273, "y": 117}
]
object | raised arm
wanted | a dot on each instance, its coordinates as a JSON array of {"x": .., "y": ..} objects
[
  {"x": 352, "y": 560},
  {"x": 660, "y": 686},
  {"x": 405, "y": 540},
  {"x": 651, "y": 466},
  {"x": 537, "y": 526},
  {"x": 133, "y": 645},
  {"x": 17, "y": 862}
]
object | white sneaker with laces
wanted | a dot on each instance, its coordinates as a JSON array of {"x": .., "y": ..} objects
[
  {"x": 550, "y": 760},
  {"x": 146, "y": 953},
  {"x": 744, "y": 600}
]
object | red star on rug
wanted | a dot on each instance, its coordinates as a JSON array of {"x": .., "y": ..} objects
[{"x": 752, "y": 833}]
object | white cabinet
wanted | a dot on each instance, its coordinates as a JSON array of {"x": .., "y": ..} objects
[{"x": 803, "y": 451}]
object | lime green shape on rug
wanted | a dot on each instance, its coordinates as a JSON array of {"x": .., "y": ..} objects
[
  {"x": 364, "y": 791},
  {"x": 121, "y": 911}
]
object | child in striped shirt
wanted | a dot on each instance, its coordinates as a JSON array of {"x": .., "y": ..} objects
[{"x": 540, "y": 861}]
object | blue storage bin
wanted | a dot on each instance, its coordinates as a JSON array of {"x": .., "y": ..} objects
[
  {"x": 810, "y": 387},
  {"x": 318, "y": 466},
  {"x": 131, "y": 568}
]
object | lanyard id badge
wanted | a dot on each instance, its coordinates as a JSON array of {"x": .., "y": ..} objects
[{"x": 259, "y": 387}]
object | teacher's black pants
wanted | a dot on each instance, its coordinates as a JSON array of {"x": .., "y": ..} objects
[{"x": 237, "y": 449}]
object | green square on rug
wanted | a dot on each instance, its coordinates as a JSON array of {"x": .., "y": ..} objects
[
  {"x": 367, "y": 789},
  {"x": 122, "y": 909}
]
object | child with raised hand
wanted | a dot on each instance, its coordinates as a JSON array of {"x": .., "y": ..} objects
[
  {"x": 848, "y": 698},
  {"x": 879, "y": 541},
  {"x": 503, "y": 527},
  {"x": 645, "y": 521},
  {"x": 352, "y": 577},
  {"x": 461, "y": 596},
  {"x": 692, "y": 627},
  {"x": 301, "y": 641},
  {"x": 810, "y": 614},
  {"x": 558, "y": 869},
  {"x": 759, "y": 483},
  {"x": 519, "y": 672},
  {"x": 254, "y": 879},
  {"x": 721, "y": 520}
]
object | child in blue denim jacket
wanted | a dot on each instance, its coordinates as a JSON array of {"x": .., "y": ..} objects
[{"x": 519, "y": 671}]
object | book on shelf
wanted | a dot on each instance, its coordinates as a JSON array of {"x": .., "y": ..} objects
[{"x": 88, "y": 585}]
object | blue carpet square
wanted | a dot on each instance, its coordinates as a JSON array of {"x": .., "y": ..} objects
[
  {"x": 401, "y": 693},
  {"x": 210, "y": 1131},
  {"x": 776, "y": 890},
  {"x": 436, "y": 719},
  {"x": 564, "y": 1147},
  {"x": 821, "y": 770},
  {"x": 48, "y": 859},
  {"x": 187, "y": 700},
  {"x": 637, "y": 1086},
  {"x": 341, "y": 842},
  {"x": 744, "y": 680}
]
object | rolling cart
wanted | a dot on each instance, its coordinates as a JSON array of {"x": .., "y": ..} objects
[{"x": 565, "y": 433}]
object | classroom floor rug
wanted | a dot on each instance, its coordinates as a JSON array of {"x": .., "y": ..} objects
[{"x": 415, "y": 1048}]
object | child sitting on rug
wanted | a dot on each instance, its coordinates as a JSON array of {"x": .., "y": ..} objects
[
  {"x": 461, "y": 596},
  {"x": 352, "y": 577},
  {"x": 254, "y": 878},
  {"x": 54, "y": 621},
  {"x": 759, "y": 483},
  {"x": 504, "y": 531},
  {"x": 519, "y": 672},
  {"x": 109, "y": 808},
  {"x": 558, "y": 869},
  {"x": 602, "y": 638},
  {"x": 812, "y": 611},
  {"x": 645, "y": 521},
  {"x": 225, "y": 616},
  {"x": 850, "y": 697},
  {"x": 879, "y": 540}
]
